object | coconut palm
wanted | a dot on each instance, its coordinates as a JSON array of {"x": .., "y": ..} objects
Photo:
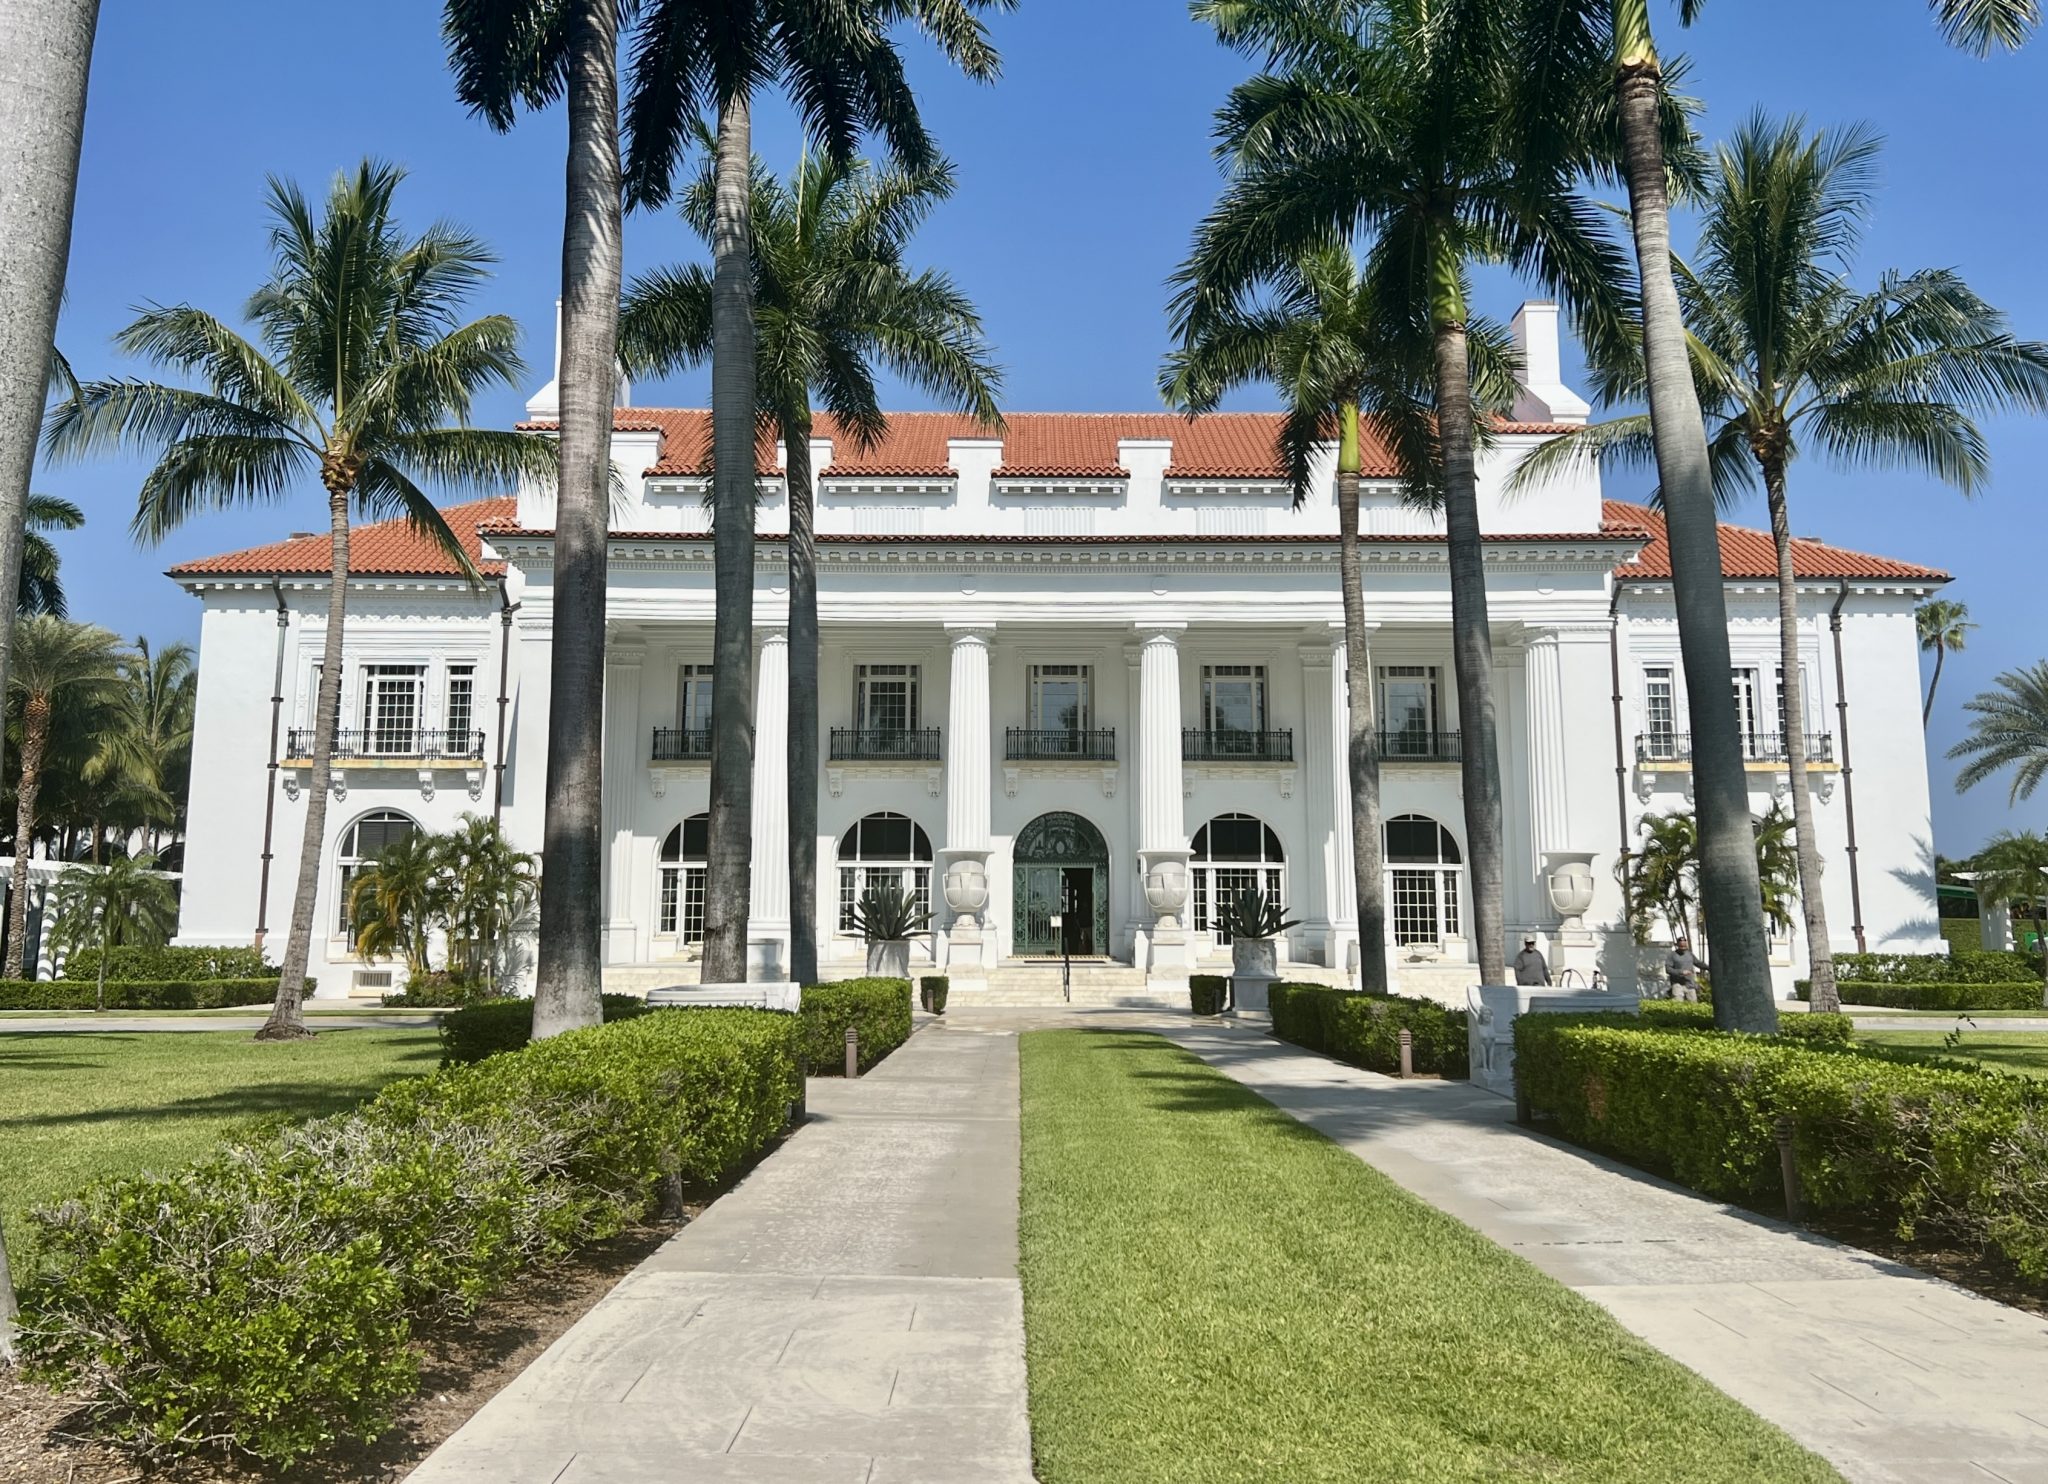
[
  {"x": 2013, "y": 869},
  {"x": 2008, "y": 729},
  {"x": 1393, "y": 122},
  {"x": 40, "y": 590},
  {"x": 361, "y": 376},
  {"x": 833, "y": 302},
  {"x": 1943, "y": 625},
  {"x": 125, "y": 901},
  {"x": 1788, "y": 356},
  {"x": 56, "y": 665},
  {"x": 147, "y": 751}
]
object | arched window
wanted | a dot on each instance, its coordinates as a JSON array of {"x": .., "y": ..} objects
[
  {"x": 684, "y": 864},
  {"x": 883, "y": 850},
  {"x": 1422, "y": 867},
  {"x": 1230, "y": 853},
  {"x": 361, "y": 844}
]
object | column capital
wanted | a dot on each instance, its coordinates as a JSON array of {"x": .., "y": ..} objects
[
  {"x": 624, "y": 654},
  {"x": 766, "y": 634},
  {"x": 1318, "y": 653},
  {"x": 1163, "y": 632},
  {"x": 958, "y": 634}
]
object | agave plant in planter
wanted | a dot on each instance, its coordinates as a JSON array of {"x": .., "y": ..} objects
[
  {"x": 1254, "y": 923},
  {"x": 888, "y": 917}
]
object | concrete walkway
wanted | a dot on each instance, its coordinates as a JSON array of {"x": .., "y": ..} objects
[
  {"x": 1895, "y": 1377},
  {"x": 850, "y": 1314}
]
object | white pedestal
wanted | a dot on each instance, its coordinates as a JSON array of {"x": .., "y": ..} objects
[{"x": 1491, "y": 1025}]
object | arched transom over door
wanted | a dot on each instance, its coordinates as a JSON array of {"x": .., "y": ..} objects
[
  {"x": 1423, "y": 880},
  {"x": 1060, "y": 866}
]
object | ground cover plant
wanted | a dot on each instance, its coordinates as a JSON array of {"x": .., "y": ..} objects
[{"x": 1215, "y": 1293}]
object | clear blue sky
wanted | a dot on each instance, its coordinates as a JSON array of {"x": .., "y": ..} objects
[{"x": 1081, "y": 174}]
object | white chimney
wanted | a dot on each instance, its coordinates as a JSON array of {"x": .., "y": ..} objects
[
  {"x": 1542, "y": 396},
  {"x": 545, "y": 405}
]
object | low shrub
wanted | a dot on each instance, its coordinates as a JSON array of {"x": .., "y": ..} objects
[
  {"x": 1682, "y": 1015},
  {"x": 1678, "y": 1015},
  {"x": 1963, "y": 1151},
  {"x": 1931, "y": 994},
  {"x": 1962, "y": 966},
  {"x": 878, "y": 1008},
  {"x": 1364, "y": 1029},
  {"x": 135, "y": 962},
  {"x": 1818, "y": 1030},
  {"x": 441, "y": 990},
  {"x": 138, "y": 994},
  {"x": 486, "y": 1027},
  {"x": 932, "y": 991},
  {"x": 1206, "y": 992},
  {"x": 264, "y": 1300}
]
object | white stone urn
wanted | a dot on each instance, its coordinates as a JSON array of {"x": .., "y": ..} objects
[
  {"x": 889, "y": 958},
  {"x": 1255, "y": 964},
  {"x": 1166, "y": 884},
  {"x": 966, "y": 884},
  {"x": 1570, "y": 880}
]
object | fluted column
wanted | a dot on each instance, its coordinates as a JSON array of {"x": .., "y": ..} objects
[
  {"x": 1548, "y": 798},
  {"x": 1162, "y": 822},
  {"x": 1318, "y": 749},
  {"x": 624, "y": 764},
  {"x": 768, "y": 903},
  {"x": 966, "y": 853}
]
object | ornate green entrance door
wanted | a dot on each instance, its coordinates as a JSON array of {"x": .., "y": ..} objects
[{"x": 1060, "y": 864}]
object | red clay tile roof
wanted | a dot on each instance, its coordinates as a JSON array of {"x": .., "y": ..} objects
[
  {"x": 389, "y": 548},
  {"x": 1750, "y": 553}
]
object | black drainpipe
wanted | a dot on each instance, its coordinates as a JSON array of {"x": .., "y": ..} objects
[
  {"x": 270, "y": 794},
  {"x": 1848, "y": 773},
  {"x": 1620, "y": 752},
  {"x": 506, "y": 608}
]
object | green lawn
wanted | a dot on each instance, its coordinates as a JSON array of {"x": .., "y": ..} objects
[
  {"x": 1213, "y": 1292},
  {"x": 77, "y": 1104},
  {"x": 2008, "y": 1051},
  {"x": 1881, "y": 1012},
  {"x": 311, "y": 1010}
]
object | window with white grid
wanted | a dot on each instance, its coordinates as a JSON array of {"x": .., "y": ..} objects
[
  {"x": 1232, "y": 854},
  {"x": 460, "y": 717},
  {"x": 1660, "y": 712},
  {"x": 1423, "y": 866},
  {"x": 391, "y": 708},
  {"x": 684, "y": 870},
  {"x": 885, "y": 698},
  {"x": 883, "y": 849}
]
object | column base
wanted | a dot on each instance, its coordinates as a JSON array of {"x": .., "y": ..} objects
[
  {"x": 767, "y": 953},
  {"x": 621, "y": 942}
]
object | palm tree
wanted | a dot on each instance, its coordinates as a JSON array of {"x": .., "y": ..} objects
[
  {"x": 490, "y": 889},
  {"x": 1786, "y": 352},
  {"x": 1395, "y": 121},
  {"x": 2013, "y": 869},
  {"x": 40, "y": 590},
  {"x": 2008, "y": 729},
  {"x": 125, "y": 901},
  {"x": 833, "y": 300},
  {"x": 1664, "y": 876},
  {"x": 361, "y": 375},
  {"x": 394, "y": 901},
  {"x": 56, "y": 665},
  {"x": 1944, "y": 627},
  {"x": 148, "y": 748}
]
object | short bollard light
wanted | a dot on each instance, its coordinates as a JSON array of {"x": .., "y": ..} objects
[
  {"x": 1788, "y": 1165},
  {"x": 1407, "y": 1053},
  {"x": 853, "y": 1051}
]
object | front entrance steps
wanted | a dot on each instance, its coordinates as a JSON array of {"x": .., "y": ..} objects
[{"x": 637, "y": 979}]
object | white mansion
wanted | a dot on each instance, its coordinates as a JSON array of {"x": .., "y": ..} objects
[{"x": 1052, "y": 661}]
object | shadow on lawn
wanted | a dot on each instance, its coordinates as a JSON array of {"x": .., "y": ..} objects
[{"x": 1194, "y": 1086}]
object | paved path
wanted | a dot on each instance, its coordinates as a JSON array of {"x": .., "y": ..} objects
[
  {"x": 1895, "y": 1377},
  {"x": 118, "y": 1024},
  {"x": 849, "y": 1313}
]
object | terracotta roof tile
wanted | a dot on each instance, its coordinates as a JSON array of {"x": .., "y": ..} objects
[
  {"x": 390, "y": 548},
  {"x": 1752, "y": 553}
]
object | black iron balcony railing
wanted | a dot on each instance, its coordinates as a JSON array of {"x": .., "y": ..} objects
[
  {"x": 885, "y": 744},
  {"x": 383, "y": 742},
  {"x": 1058, "y": 744},
  {"x": 1229, "y": 745},
  {"x": 681, "y": 744},
  {"x": 1757, "y": 747},
  {"x": 1419, "y": 747}
]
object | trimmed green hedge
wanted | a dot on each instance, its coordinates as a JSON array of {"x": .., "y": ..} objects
[
  {"x": 1364, "y": 1029},
  {"x": 1963, "y": 966},
  {"x": 487, "y": 1027},
  {"x": 1964, "y": 1151},
  {"x": 1812, "y": 1030},
  {"x": 1936, "y": 995},
  {"x": 932, "y": 993},
  {"x": 1206, "y": 993},
  {"x": 265, "y": 1299},
  {"x": 131, "y": 994},
  {"x": 172, "y": 963},
  {"x": 878, "y": 1008}
]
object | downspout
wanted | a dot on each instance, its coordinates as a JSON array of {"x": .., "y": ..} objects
[
  {"x": 1848, "y": 773},
  {"x": 1620, "y": 752},
  {"x": 506, "y": 608},
  {"x": 270, "y": 793}
]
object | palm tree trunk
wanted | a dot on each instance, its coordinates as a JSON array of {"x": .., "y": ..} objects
[
  {"x": 287, "y": 1020},
  {"x": 803, "y": 708},
  {"x": 1731, "y": 895},
  {"x": 99, "y": 1000},
  {"x": 729, "y": 862},
  {"x": 1471, "y": 638},
  {"x": 1933, "y": 683},
  {"x": 1363, "y": 745},
  {"x": 568, "y": 980},
  {"x": 1820, "y": 957},
  {"x": 35, "y": 737}
]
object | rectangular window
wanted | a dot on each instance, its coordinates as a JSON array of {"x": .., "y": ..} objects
[
  {"x": 1660, "y": 712},
  {"x": 1408, "y": 708},
  {"x": 391, "y": 709},
  {"x": 460, "y": 719},
  {"x": 1062, "y": 697},
  {"x": 856, "y": 882},
  {"x": 682, "y": 902},
  {"x": 1234, "y": 698},
  {"x": 885, "y": 698},
  {"x": 1748, "y": 710},
  {"x": 693, "y": 698}
]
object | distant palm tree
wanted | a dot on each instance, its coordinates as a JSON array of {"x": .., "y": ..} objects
[
  {"x": 490, "y": 890},
  {"x": 1394, "y": 122},
  {"x": 1664, "y": 878},
  {"x": 56, "y": 665},
  {"x": 1944, "y": 627},
  {"x": 2008, "y": 729},
  {"x": 1786, "y": 353},
  {"x": 2013, "y": 869},
  {"x": 147, "y": 751},
  {"x": 362, "y": 376},
  {"x": 394, "y": 900},
  {"x": 41, "y": 591},
  {"x": 125, "y": 901},
  {"x": 834, "y": 302}
]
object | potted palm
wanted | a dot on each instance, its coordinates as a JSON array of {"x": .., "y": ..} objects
[
  {"x": 1255, "y": 924},
  {"x": 888, "y": 917}
]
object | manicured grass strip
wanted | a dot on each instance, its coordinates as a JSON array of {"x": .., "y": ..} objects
[
  {"x": 2025, "y": 1052},
  {"x": 78, "y": 1105},
  {"x": 1214, "y": 1292}
]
